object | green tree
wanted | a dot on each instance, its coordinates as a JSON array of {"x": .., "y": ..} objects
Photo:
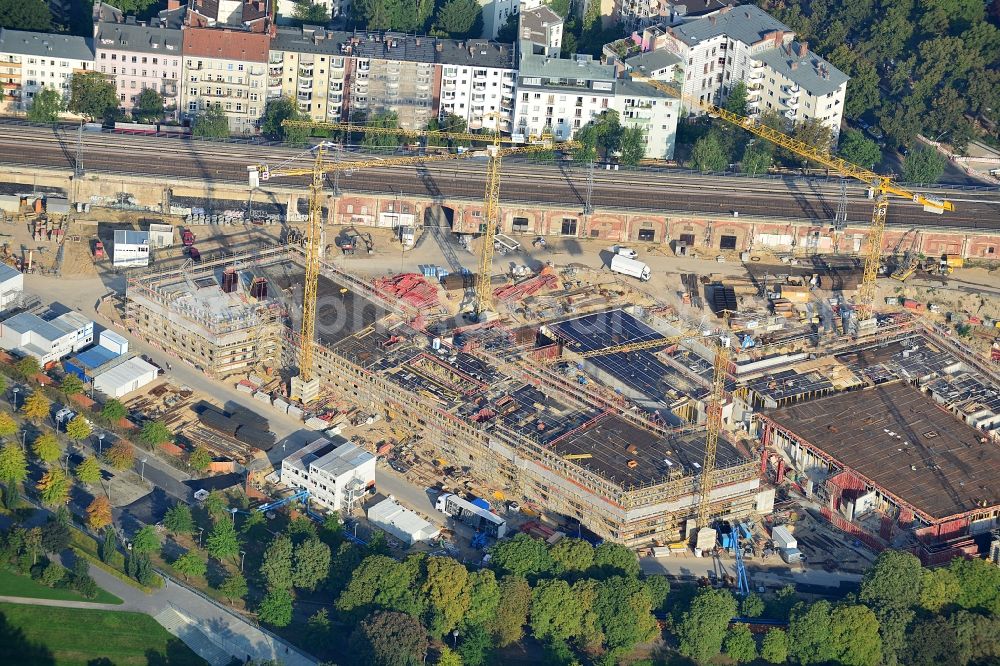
[
  {"x": 658, "y": 588},
  {"x": 739, "y": 644},
  {"x": 736, "y": 102},
  {"x": 13, "y": 464},
  {"x": 571, "y": 555},
  {"x": 145, "y": 541},
  {"x": 446, "y": 657},
  {"x": 978, "y": 585},
  {"x": 53, "y": 488},
  {"x": 215, "y": 505},
  {"x": 388, "y": 638},
  {"x": 46, "y": 107},
  {"x": 71, "y": 385},
  {"x": 47, "y": 447},
  {"x": 234, "y": 587},
  {"x": 88, "y": 471},
  {"x": 223, "y": 541},
  {"x": 113, "y": 411},
  {"x": 555, "y": 613},
  {"x": 892, "y": 582},
  {"x": 276, "y": 608},
  {"x": 382, "y": 120},
  {"x": 446, "y": 588},
  {"x": 854, "y": 632},
  {"x": 813, "y": 132},
  {"x": 923, "y": 166},
  {"x": 856, "y": 148},
  {"x": 52, "y": 574},
  {"x": 318, "y": 629},
  {"x": 148, "y": 106},
  {"x": 703, "y": 626},
  {"x": 708, "y": 154},
  {"x": 55, "y": 532},
  {"x": 307, "y": 12},
  {"x": 200, "y": 458},
  {"x": 507, "y": 625},
  {"x": 459, "y": 19},
  {"x": 381, "y": 582},
  {"x": 178, "y": 519},
  {"x": 27, "y": 367},
  {"x": 25, "y": 15},
  {"x": 938, "y": 588},
  {"x": 752, "y": 605},
  {"x": 484, "y": 598},
  {"x": 508, "y": 32},
  {"x": 8, "y": 426},
  {"x": 312, "y": 564},
  {"x": 774, "y": 648},
  {"x": 475, "y": 647},
  {"x": 632, "y": 146},
  {"x": 521, "y": 556},
  {"x": 810, "y": 636},
  {"x": 611, "y": 559},
  {"x": 155, "y": 432},
  {"x": 92, "y": 95},
  {"x": 275, "y": 113},
  {"x": 36, "y": 407},
  {"x": 191, "y": 564},
  {"x": 211, "y": 123},
  {"x": 78, "y": 428},
  {"x": 624, "y": 609},
  {"x": 120, "y": 455},
  {"x": 276, "y": 569}
]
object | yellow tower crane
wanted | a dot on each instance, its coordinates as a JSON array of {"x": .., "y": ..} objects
[
  {"x": 882, "y": 186},
  {"x": 491, "y": 197},
  {"x": 713, "y": 411},
  {"x": 305, "y": 387}
]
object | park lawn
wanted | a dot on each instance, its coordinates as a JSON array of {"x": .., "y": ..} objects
[
  {"x": 75, "y": 637},
  {"x": 14, "y": 585}
]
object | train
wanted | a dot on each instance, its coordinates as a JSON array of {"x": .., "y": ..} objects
[{"x": 149, "y": 129}]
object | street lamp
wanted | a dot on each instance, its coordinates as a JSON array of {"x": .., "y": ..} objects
[
  {"x": 233, "y": 511},
  {"x": 454, "y": 635},
  {"x": 201, "y": 530},
  {"x": 142, "y": 470},
  {"x": 100, "y": 444},
  {"x": 243, "y": 555},
  {"x": 15, "y": 397}
]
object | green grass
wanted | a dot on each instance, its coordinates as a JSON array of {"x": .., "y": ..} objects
[
  {"x": 13, "y": 585},
  {"x": 44, "y": 636}
]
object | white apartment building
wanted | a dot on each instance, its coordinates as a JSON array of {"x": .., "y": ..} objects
[
  {"x": 136, "y": 57},
  {"x": 30, "y": 61},
  {"x": 477, "y": 82},
  {"x": 228, "y": 69},
  {"x": 746, "y": 44},
  {"x": 543, "y": 28},
  {"x": 559, "y": 96},
  {"x": 652, "y": 110},
  {"x": 336, "y": 474}
]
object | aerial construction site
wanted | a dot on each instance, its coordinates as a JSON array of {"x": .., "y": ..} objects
[{"x": 645, "y": 419}]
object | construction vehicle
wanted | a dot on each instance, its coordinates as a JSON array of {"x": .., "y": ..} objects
[
  {"x": 910, "y": 261},
  {"x": 949, "y": 262},
  {"x": 187, "y": 237},
  {"x": 881, "y": 187},
  {"x": 98, "y": 250},
  {"x": 491, "y": 199}
]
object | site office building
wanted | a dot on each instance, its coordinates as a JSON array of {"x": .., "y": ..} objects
[
  {"x": 228, "y": 69},
  {"x": 31, "y": 61},
  {"x": 336, "y": 76},
  {"x": 746, "y": 44}
]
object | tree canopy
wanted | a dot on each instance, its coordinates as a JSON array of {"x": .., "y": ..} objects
[
  {"x": 211, "y": 123},
  {"x": 923, "y": 166},
  {"x": 25, "y": 15},
  {"x": 92, "y": 95},
  {"x": 703, "y": 626},
  {"x": 45, "y": 108},
  {"x": 459, "y": 19},
  {"x": 388, "y": 638}
]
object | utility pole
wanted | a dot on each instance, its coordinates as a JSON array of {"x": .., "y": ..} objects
[
  {"x": 78, "y": 166},
  {"x": 588, "y": 208},
  {"x": 840, "y": 220}
]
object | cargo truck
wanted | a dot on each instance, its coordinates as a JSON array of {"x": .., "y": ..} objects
[
  {"x": 782, "y": 538},
  {"x": 630, "y": 267}
]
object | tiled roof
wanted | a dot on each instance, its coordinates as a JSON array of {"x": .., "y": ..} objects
[{"x": 226, "y": 44}]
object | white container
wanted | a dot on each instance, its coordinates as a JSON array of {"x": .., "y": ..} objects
[
  {"x": 111, "y": 340},
  {"x": 782, "y": 538}
]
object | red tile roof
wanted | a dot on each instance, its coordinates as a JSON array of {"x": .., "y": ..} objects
[{"x": 226, "y": 44}]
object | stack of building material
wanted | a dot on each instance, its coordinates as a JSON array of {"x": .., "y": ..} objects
[
  {"x": 410, "y": 288},
  {"x": 545, "y": 280}
]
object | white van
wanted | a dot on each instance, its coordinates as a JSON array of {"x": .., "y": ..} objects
[{"x": 626, "y": 252}]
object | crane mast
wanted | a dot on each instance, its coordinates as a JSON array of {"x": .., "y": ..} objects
[
  {"x": 491, "y": 219},
  {"x": 305, "y": 387}
]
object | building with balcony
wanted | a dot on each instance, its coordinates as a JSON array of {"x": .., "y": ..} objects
[
  {"x": 31, "y": 61},
  {"x": 746, "y": 44},
  {"x": 137, "y": 56},
  {"x": 543, "y": 28},
  {"x": 635, "y": 15},
  {"x": 227, "y": 69},
  {"x": 342, "y": 75},
  {"x": 558, "y": 96},
  {"x": 652, "y": 110}
]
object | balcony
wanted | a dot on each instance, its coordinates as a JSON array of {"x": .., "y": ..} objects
[
  {"x": 275, "y": 71},
  {"x": 304, "y": 97},
  {"x": 479, "y": 87},
  {"x": 364, "y": 66},
  {"x": 336, "y": 87},
  {"x": 274, "y": 82},
  {"x": 755, "y": 87},
  {"x": 792, "y": 89},
  {"x": 449, "y": 85},
  {"x": 790, "y": 114},
  {"x": 335, "y": 98},
  {"x": 792, "y": 102}
]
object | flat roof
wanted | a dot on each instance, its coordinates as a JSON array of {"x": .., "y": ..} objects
[
  {"x": 126, "y": 237},
  {"x": 93, "y": 357},
  {"x": 25, "y": 322},
  {"x": 48, "y": 44},
  {"x": 343, "y": 459},
  {"x": 8, "y": 272},
  {"x": 902, "y": 441},
  {"x": 653, "y": 61},
  {"x": 393, "y": 513},
  {"x": 126, "y": 372},
  {"x": 608, "y": 440}
]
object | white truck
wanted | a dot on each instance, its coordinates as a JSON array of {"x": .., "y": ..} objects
[
  {"x": 630, "y": 267},
  {"x": 626, "y": 251}
]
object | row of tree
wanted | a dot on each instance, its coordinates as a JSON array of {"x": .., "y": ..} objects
[
  {"x": 917, "y": 66},
  {"x": 457, "y": 19}
]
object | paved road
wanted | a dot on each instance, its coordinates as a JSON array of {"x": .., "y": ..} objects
[
  {"x": 526, "y": 182},
  {"x": 691, "y": 568}
]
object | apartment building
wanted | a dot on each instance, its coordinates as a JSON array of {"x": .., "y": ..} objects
[
  {"x": 746, "y": 44},
  {"x": 633, "y": 15},
  {"x": 247, "y": 15},
  {"x": 30, "y": 61},
  {"x": 340, "y": 75},
  {"x": 137, "y": 56},
  {"x": 559, "y": 96},
  {"x": 228, "y": 69},
  {"x": 543, "y": 28},
  {"x": 655, "y": 112}
]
